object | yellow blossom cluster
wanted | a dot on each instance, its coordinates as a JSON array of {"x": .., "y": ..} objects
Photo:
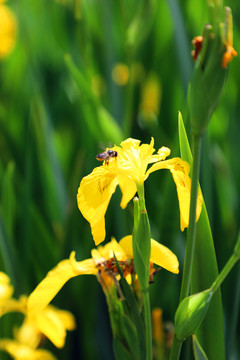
[{"x": 50, "y": 323}]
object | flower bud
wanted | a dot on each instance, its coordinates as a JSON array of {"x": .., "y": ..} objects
[
  {"x": 190, "y": 313},
  {"x": 213, "y": 51}
]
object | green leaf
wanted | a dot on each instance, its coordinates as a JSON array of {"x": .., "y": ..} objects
[
  {"x": 133, "y": 310},
  {"x": 120, "y": 351},
  {"x": 199, "y": 354},
  {"x": 8, "y": 203},
  {"x": 100, "y": 123},
  {"x": 205, "y": 271}
]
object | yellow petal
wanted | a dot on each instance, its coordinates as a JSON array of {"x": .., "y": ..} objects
[
  {"x": 66, "y": 318},
  {"x": 12, "y": 305},
  {"x": 17, "y": 350},
  {"x": 160, "y": 254},
  {"x": 28, "y": 334},
  {"x": 23, "y": 352},
  {"x": 164, "y": 152},
  {"x": 94, "y": 194},
  {"x": 164, "y": 257},
  {"x": 180, "y": 172},
  {"x": 128, "y": 188},
  {"x": 50, "y": 286},
  {"x": 147, "y": 150},
  {"x": 41, "y": 354},
  {"x": 112, "y": 248},
  {"x": 130, "y": 143},
  {"x": 49, "y": 324}
]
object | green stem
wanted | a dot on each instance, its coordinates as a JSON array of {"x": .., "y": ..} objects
[
  {"x": 225, "y": 271},
  {"x": 175, "y": 349},
  {"x": 143, "y": 236},
  {"x": 191, "y": 235},
  {"x": 148, "y": 324}
]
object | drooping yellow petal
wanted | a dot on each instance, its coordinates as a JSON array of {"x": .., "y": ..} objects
[
  {"x": 160, "y": 254},
  {"x": 164, "y": 257},
  {"x": 180, "y": 172},
  {"x": 183, "y": 183},
  {"x": 51, "y": 326},
  {"x": 66, "y": 318},
  {"x": 128, "y": 188},
  {"x": 54, "y": 281},
  {"x": 94, "y": 194}
]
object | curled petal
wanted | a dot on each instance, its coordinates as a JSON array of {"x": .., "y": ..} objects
[
  {"x": 163, "y": 152},
  {"x": 94, "y": 194},
  {"x": 160, "y": 254}
]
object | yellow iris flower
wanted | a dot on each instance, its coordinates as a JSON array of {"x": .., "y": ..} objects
[
  {"x": 8, "y": 28},
  {"x": 50, "y": 322},
  {"x": 129, "y": 169},
  {"x": 102, "y": 263}
]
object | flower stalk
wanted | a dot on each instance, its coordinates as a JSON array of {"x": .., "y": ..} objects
[
  {"x": 228, "y": 267},
  {"x": 141, "y": 255}
]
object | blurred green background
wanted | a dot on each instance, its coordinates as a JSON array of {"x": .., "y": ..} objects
[{"x": 63, "y": 99}]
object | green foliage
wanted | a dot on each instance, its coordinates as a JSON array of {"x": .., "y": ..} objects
[
  {"x": 197, "y": 349},
  {"x": 59, "y": 107}
]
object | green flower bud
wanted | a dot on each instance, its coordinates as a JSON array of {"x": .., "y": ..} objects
[
  {"x": 213, "y": 51},
  {"x": 141, "y": 243},
  {"x": 190, "y": 313}
]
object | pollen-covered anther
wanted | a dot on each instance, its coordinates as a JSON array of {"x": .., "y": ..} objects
[
  {"x": 228, "y": 55},
  {"x": 197, "y": 43}
]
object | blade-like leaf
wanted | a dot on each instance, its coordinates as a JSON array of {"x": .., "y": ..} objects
[
  {"x": 199, "y": 354},
  {"x": 205, "y": 271},
  {"x": 134, "y": 310},
  {"x": 99, "y": 121}
]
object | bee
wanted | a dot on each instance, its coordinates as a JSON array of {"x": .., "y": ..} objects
[{"x": 107, "y": 155}]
